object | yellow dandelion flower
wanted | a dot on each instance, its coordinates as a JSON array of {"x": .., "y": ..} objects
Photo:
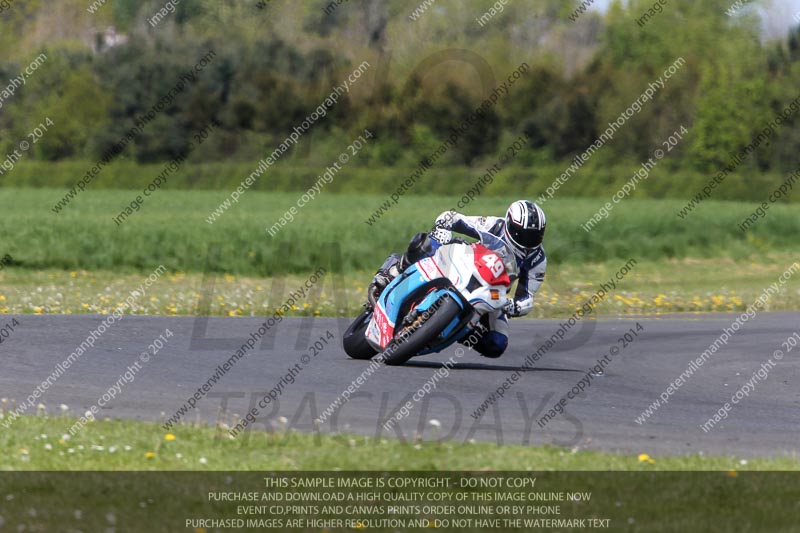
[
  {"x": 150, "y": 455},
  {"x": 2, "y": 298},
  {"x": 644, "y": 458},
  {"x": 169, "y": 436}
]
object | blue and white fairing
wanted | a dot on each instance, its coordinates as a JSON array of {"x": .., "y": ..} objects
[{"x": 476, "y": 276}]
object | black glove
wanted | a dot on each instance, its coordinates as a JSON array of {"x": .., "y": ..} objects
[{"x": 379, "y": 282}]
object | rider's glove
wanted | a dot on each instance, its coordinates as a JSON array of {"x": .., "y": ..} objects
[
  {"x": 441, "y": 231},
  {"x": 515, "y": 308},
  {"x": 382, "y": 279},
  {"x": 445, "y": 220},
  {"x": 442, "y": 235},
  {"x": 379, "y": 282},
  {"x": 510, "y": 308}
]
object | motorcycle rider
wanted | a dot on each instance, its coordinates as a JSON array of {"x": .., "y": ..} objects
[{"x": 522, "y": 229}]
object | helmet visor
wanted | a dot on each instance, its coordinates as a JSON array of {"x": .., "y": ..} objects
[{"x": 525, "y": 238}]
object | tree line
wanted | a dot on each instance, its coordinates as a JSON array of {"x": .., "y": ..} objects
[{"x": 274, "y": 62}]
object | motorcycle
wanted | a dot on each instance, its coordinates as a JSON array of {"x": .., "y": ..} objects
[{"x": 434, "y": 302}]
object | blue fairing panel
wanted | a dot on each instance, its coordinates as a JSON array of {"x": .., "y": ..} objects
[
  {"x": 402, "y": 286},
  {"x": 449, "y": 329},
  {"x": 431, "y": 299},
  {"x": 445, "y": 334},
  {"x": 427, "y": 304},
  {"x": 392, "y": 297}
]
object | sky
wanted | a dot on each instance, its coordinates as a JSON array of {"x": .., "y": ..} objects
[
  {"x": 792, "y": 4},
  {"x": 779, "y": 17}
]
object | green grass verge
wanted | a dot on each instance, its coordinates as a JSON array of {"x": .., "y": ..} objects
[
  {"x": 133, "y": 476},
  {"x": 42, "y": 443},
  {"x": 331, "y": 232},
  {"x": 652, "y": 287}
]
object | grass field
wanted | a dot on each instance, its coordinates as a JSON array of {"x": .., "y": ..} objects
[
  {"x": 526, "y": 175},
  {"x": 652, "y": 287},
  {"x": 171, "y": 229},
  {"x": 168, "y": 478},
  {"x": 80, "y": 261},
  {"x": 43, "y": 443}
]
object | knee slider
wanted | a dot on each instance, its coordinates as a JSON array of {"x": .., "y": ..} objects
[{"x": 492, "y": 345}]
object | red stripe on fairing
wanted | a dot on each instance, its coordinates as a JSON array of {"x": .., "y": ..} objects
[
  {"x": 424, "y": 267},
  {"x": 385, "y": 326}
]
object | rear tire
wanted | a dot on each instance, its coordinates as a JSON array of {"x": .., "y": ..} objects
[
  {"x": 355, "y": 342},
  {"x": 398, "y": 352}
]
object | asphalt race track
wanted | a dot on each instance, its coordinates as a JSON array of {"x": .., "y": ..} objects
[{"x": 766, "y": 422}]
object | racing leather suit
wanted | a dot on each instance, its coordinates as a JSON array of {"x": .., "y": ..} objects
[
  {"x": 531, "y": 274},
  {"x": 493, "y": 340}
]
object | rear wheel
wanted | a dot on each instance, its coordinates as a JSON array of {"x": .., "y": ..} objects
[
  {"x": 421, "y": 334},
  {"x": 355, "y": 341}
]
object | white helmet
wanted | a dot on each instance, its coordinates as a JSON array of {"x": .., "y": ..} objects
[{"x": 524, "y": 227}]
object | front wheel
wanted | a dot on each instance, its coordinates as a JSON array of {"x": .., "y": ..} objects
[
  {"x": 355, "y": 341},
  {"x": 418, "y": 336}
]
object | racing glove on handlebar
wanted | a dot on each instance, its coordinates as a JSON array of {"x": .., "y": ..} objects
[
  {"x": 442, "y": 228},
  {"x": 516, "y": 308},
  {"x": 388, "y": 271}
]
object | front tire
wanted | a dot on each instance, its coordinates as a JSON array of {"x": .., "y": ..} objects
[
  {"x": 400, "y": 351},
  {"x": 355, "y": 341}
]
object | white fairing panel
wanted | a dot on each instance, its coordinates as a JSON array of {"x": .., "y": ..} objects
[{"x": 457, "y": 263}]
